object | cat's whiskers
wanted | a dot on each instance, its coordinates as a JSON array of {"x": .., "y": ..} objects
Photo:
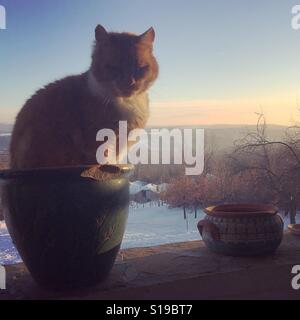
[{"x": 106, "y": 102}]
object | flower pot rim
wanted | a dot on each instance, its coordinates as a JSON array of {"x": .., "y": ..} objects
[
  {"x": 241, "y": 210},
  {"x": 112, "y": 171}
]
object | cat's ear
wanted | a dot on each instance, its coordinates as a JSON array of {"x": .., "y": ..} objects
[
  {"x": 100, "y": 33},
  {"x": 148, "y": 36}
]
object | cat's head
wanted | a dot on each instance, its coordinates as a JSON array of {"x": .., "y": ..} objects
[{"x": 124, "y": 63}]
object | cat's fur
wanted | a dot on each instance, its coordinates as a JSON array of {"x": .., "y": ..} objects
[{"x": 58, "y": 125}]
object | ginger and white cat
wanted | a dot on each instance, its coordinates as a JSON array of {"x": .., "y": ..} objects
[{"x": 58, "y": 125}]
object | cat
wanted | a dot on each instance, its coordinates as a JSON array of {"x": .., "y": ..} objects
[{"x": 57, "y": 126}]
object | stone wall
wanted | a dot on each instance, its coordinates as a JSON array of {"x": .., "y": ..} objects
[{"x": 179, "y": 271}]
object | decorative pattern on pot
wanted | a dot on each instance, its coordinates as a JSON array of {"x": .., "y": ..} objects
[{"x": 242, "y": 230}]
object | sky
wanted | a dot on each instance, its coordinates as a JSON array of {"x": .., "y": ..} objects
[{"x": 220, "y": 61}]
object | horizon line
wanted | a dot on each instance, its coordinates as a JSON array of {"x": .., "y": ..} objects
[{"x": 193, "y": 125}]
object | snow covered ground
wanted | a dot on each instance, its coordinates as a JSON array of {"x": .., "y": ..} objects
[
  {"x": 152, "y": 225},
  {"x": 8, "y": 253},
  {"x": 147, "y": 226}
]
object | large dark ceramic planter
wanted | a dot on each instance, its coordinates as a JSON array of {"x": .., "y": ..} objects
[
  {"x": 67, "y": 223},
  {"x": 242, "y": 230}
]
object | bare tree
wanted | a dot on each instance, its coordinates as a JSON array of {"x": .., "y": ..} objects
[{"x": 273, "y": 165}]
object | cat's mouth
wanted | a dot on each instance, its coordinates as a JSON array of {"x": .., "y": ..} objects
[
  {"x": 129, "y": 93},
  {"x": 124, "y": 90},
  {"x": 126, "y": 93}
]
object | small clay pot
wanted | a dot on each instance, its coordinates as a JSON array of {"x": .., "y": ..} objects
[
  {"x": 242, "y": 229},
  {"x": 67, "y": 223}
]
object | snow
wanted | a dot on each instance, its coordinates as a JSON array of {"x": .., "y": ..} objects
[
  {"x": 135, "y": 187},
  {"x": 151, "y": 187},
  {"x": 152, "y": 225},
  {"x": 148, "y": 225},
  {"x": 8, "y": 253}
]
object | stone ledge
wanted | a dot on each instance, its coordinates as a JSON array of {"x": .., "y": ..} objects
[{"x": 179, "y": 271}]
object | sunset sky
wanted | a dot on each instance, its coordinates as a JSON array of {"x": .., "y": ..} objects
[{"x": 220, "y": 61}]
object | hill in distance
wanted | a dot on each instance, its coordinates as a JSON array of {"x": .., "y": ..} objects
[
  {"x": 5, "y": 128},
  {"x": 220, "y": 136}
]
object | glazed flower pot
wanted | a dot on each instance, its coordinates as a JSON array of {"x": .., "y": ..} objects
[
  {"x": 242, "y": 230},
  {"x": 67, "y": 223}
]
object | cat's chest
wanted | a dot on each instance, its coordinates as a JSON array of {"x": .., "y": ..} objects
[
  {"x": 131, "y": 108},
  {"x": 106, "y": 113}
]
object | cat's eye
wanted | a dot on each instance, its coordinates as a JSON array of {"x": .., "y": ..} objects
[{"x": 141, "y": 71}]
